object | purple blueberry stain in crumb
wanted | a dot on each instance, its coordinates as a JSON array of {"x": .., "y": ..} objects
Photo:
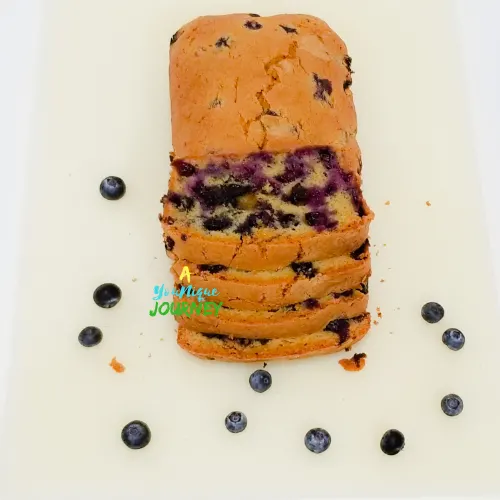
[
  {"x": 182, "y": 203},
  {"x": 253, "y": 25},
  {"x": 184, "y": 168},
  {"x": 247, "y": 226},
  {"x": 224, "y": 194},
  {"x": 223, "y": 41},
  {"x": 286, "y": 220},
  {"x": 340, "y": 327},
  {"x": 316, "y": 198},
  {"x": 323, "y": 88},
  {"x": 295, "y": 168},
  {"x": 311, "y": 303},
  {"x": 184, "y": 237},
  {"x": 217, "y": 223},
  {"x": 212, "y": 268},
  {"x": 305, "y": 269},
  {"x": 288, "y": 29},
  {"x": 328, "y": 158},
  {"x": 169, "y": 244}
]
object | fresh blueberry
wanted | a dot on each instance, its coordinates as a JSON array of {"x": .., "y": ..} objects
[
  {"x": 454, "y": 339},
  {"x": 432, "y": 312},
  {"x": 90, "y": 336},
  {"x": 304, "y": 268},
  {"x": 212, "y": 268},
  {"x": 253, "y": 25},
  {"x": 452, "y": 405},
  {"x": 260, "y": 380},
  {"x": 169, "y": 244},
  {"x": 136, "y": 435},
  {"x": 340, "y": 327},
  {"x": 236, "y": 422},
  {"x": 217, "y": 223},
  {"x": 107, "y": 295},
  {"x": 317, "y": 440},
  {"x": 288, "y": 29},
  {"x": 112, "y": 188},
  {"x": 392, "y": 442},
  {"x": 323, "y": 87}
]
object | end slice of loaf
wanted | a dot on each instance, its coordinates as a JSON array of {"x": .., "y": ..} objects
[{"x": 341, "y": 335}]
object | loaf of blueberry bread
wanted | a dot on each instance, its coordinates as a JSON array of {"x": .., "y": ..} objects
[
  {"x": 268, "y": 290},
  {"x": 337, "y": 335},
  {"x": 266, "y": 167},
  {"x": 289, "y": 321}
]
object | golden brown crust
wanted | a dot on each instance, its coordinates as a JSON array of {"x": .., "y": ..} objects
[
  {"x": 271, "y": 290},
  {"x": 267, "y": 252},
  {"x": 274, "y": 324},
  {"x": 235, "y": 90},
  {"x": 291, "y": 348}
]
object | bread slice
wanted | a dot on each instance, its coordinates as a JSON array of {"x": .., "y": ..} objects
[
  {"x": 264, "y": 211},
  {"x": 303, "y": 318},
  {"x": 338, "y": 335},
  {"x": 264, "y": 290}
]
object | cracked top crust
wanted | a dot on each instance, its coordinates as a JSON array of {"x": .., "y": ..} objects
[{"x": 240, "y": 83}]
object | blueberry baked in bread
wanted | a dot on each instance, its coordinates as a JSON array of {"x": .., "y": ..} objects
[{"x": 264, "y": 198}]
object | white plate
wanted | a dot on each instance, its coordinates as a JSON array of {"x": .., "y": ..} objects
[{"x": 103, "y": 110}]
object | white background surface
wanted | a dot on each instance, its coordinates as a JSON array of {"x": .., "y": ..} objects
[{"x": 19, "y": 30}]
